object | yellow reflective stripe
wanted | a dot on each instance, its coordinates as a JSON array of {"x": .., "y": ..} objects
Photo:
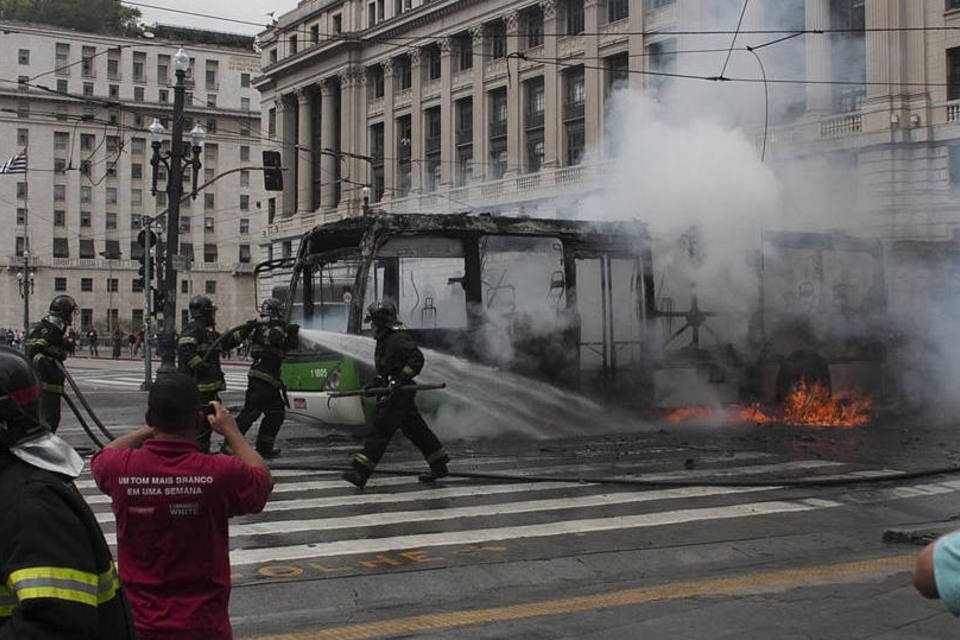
[
  {"x": 55, "y": 388},
  {"x": 37, "y": 358},
  {"x": 7, "y": 602},
  {"x": 55, "y": 582},
  {"x": 436, "y": 455},
  {"x": 364, "y": 460},
  {"x": 194, "y": 361},
  {"x": 42, "y": 342},
  {"x": 109, "y": 585},
  {"x": 211, "y": 386},
  {"x": 266, "y": 377}
]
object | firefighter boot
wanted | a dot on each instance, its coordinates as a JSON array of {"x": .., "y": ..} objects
[
  {"x": 359, "y": 472},
  {"x": 438, "y": 469}
]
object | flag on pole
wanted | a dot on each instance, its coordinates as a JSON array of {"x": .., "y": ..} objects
[{"x": 16, "y": 164}]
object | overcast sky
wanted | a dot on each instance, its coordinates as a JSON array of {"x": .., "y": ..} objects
[{"x": 254, "y": 11}]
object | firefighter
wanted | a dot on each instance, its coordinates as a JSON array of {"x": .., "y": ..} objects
[
  {"x": 57, "y": 577},
  {"x": 269, "y": 339},
  {"x": 196, "y": 339},
  {"x": 48, "y": 344},
  {"x": 398, "y": 361}
]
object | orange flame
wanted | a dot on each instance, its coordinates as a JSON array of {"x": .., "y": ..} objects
[{"x": 812, "y": 405}]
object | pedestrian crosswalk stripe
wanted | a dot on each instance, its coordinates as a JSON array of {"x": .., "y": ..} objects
[{"x": 241, "y": 557}]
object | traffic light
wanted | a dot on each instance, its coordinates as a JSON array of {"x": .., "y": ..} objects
[
  {"x": 159, "y": 298},
  {"x": 144, "y": 260},
  {"x": 272, "y": 175}
]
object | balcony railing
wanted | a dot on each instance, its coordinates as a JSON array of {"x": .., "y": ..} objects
[
  {"x": 841, "y": 126},
  {"x": 534, "y": 120},
  {"x": 498, "y": 129},
  {"x": 432, "y": 144},
  {"x": 953, "y": 111},
  {"x": 465, "y": 135},
  {"x": 573, "y": 110}
]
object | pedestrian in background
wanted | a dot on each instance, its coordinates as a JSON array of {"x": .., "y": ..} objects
[
  {"x": 172, "y": 546},
  {"x": 117, "y": 343},
  {"x": 398, "y": 361},
  {"x": 93, "y": 341},
  {"x": 57, "y": 576},
  {"x": 49, "y": 343}
]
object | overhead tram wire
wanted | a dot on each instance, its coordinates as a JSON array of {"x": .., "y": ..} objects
[{"x": 733, "y": 41}]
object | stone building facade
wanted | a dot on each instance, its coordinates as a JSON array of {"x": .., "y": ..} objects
[
  {"x": 80, "y": 104},
  {"x": 454, "y": 105}
]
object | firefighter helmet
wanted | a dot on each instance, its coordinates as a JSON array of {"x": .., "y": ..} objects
[
  {"x": 382, "y": 314},
  {"x": 63, "y": 307},
  {"x": 19, "y": 398},
  {"x": 271, "y": 309},
  {"x": 201, "y": 307}
]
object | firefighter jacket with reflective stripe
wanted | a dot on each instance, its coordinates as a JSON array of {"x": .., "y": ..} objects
[
  {"x": 57, "y": 577},
  {"x": 46, "y": 345},
  {"x": 192, "y": 347},
  {"x": 269, "y": 342},
  {"x": 397, "y": 356}
]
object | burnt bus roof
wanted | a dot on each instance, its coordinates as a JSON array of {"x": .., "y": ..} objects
[{"x": 629, "y": 237}]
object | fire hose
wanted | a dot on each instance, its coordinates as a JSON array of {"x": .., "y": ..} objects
[
  {"x": 369, "y": 392},
  {"x": 86, "y": 405}
]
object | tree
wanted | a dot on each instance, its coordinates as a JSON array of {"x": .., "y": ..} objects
[{"x": 97, "y": 16}]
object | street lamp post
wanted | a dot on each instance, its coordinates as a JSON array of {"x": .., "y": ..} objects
[
  {"x": 25, "y": 286},
  {"x": 176, "y": 162}
]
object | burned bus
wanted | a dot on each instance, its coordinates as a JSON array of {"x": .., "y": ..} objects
[{"x": 568, "y": 302}]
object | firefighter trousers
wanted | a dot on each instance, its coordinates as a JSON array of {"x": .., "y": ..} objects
[
  {"x": 267, "y": 399},
  {"x": 398, "y": 411},
  {"x": 50, "y": 408},
  {"x": 203, "y": 437}
]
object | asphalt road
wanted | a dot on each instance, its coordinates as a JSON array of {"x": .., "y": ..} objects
[{"x": 736, "y": 531}]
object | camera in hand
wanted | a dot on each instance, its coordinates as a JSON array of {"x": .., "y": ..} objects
[{"x": 207, "y": 410}]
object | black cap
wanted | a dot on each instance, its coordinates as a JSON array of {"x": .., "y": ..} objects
[{"x": 173, "y": 402}]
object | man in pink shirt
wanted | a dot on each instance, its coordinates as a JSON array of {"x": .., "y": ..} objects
[{"x": 172, "y": 503}]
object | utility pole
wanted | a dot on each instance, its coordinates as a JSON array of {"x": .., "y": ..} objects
[{"x": 174, "y": 161}]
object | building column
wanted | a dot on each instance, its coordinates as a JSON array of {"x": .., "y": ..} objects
[
  {"x": 448, "y": 165},
  {"x": 328, "y": 140},
  {"x": 287, "y": 134},
  {"x": 552, "y": 125},
  {"x": 390, "y": 182},
  {"x": 817, "y": 47},
  {"x": 516, "y": 158},
  {"x": 481, "y": 110},
  {"x": 592, "y": 77},
  {"x": 417, "y": 156},
  {"x": 304, "y": 153},
  {"x": 348, "y": 108}
]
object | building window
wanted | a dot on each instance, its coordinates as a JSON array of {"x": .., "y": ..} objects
[
  {"x": 404, "y": 130},
  {"x": 535, "y": 153},
  {"x": 22, "y": 191},
  {"x": 464, "y": 47},
  {"x": 23, "y": 137},
  {"x": 209, "y": 201},
  {"x": 21, "y": 216},
  {"x": 59, "y": 218},
  {"x": 244, "y": 153},
  {"x": 111, "y": 195},
  {"x": 498, "y": 111},
  {"x": 62, "y": 61},
  {"x": 110, "y": 220},
  {"x": 658, "y": 4},
  {"x": 432, "y": 55},
  {"x": 23, "y": 56},
  {"x": 315, "y": 34},
  {"x": 86, "y": 285},
  {"x": 113, "y": 65},
  {"x": 403, "y": 71},
  {"x": 184, "y": 224},
  {"x": 576, "y": 143},
  {"x": 213, "y": 67},
  {"x": 210, "y": 287},
  {"x": 244, "y": 178},
  {"x": 617, "y": 10},
  {"x": 953, "y": 73},
  {"x": 139, "y": 66},
  {"x": 375, "y": 81},
  {"x": 59, "y": 193},
  {"x": 244, "y": 80},
  {"x": 244, "y": 202},
  {"x": 209, "y": 252},
  {"x": 532, "y": 21},
  {"x": 662, "y": 58},
  {"x": 61, "y": 140},
  {"x": 244, "y": 256},
  {"x": 575, "y": 18},
  {"x": 61, "y": 248},
  {"x": 954, "y": 168},
  {"x": 86, "y": 219},
  {"x": 113, "y": 285},
  {"x": 272, "y": 122},
  {"x": 244, "y": 226},
  {"x": 86, "y": 249},
  {"x": 208, "y": 223},
  {"x": 86, "y": 62},
  {"x": 138, "y": 94},
  {"x": 186, "y": 250},
  {"x": 496, "y": 36},
  {"x": 62, "y": 87},
  {"x": 59, "y": 284},
  {"x": 163, "y": 96},
  {"x": 184, "y": 286},
  {"x": 23, "y": 109},
  {"x": 617, "y": 69},
  {"x": 211, "y": 100},
  {"x": 337, "y": 23}
]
